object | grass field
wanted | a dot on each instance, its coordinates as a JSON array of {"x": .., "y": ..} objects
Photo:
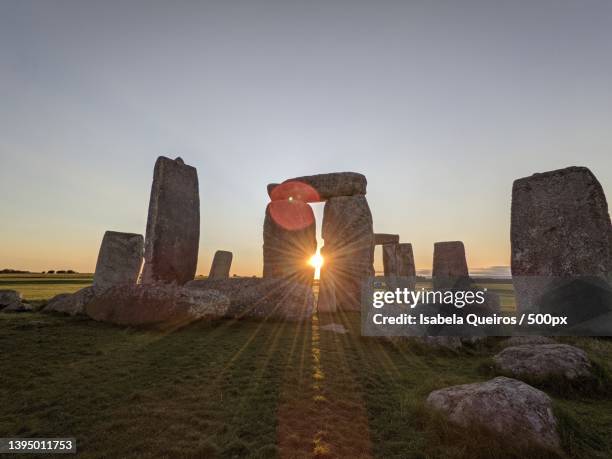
[{"x": 254, "y": 389}]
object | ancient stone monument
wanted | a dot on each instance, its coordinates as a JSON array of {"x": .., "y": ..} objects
[
  {"x": 173, "y": 225},
  {"x": 561, "y": 240},
  {"x": 347, "y": 231},
  {"x": 450, "y": 270},
  {"x": 383, "y": 238},
  {"x": 119, "y": 260},
  {"x": 221, "y": 264}
]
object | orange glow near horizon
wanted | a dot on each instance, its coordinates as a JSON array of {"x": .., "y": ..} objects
[{"x": 316, "y": 261}]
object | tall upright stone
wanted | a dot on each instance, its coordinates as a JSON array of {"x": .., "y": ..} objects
[
  {"x": 290, "y": 240},
  {"x": 561, "y": 240},
  {"x": 119, "y": 260},
  {"x": 450, "y": 270},
  {"x": 349, "y": 247},
  {"x": 221, "y": 264},
  {"x": 398, "y": 263},
  {"x": 390, "y": 262},
  {"x": 173, "y": 225}
]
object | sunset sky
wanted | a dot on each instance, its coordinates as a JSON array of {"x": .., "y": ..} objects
[{"x": 440, "y": 104}]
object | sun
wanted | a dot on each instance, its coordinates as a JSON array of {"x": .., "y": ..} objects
[{"x": 316, "y": 261}]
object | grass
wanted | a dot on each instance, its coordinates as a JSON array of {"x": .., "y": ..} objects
[
  {"x": 40, "y": 287},
  {"x": 255, "y": 389}
]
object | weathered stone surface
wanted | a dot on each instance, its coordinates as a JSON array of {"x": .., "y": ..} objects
[
  {"x": 383, "y": 238},
  {"x": 521, "y": 340},
  {"x": 331, "y": 185},
  {"x": 71, "y": 303},
  {"x": 160, "y": 305},
  {"x": 560, "y": 229},
  {"x": 262, "y": 298},
  {"x": 504, "y": 406},
  {"x": 173, "y": 225},
  {"x": 398, "y": 260},
  {"x": 119, "y": 260},
  {"x": 542, "y": 361},
  {"x": 221, "y": 264},
  {"x": 326, "y": 301},
  {"x": 349, "y": 247},
  {"x": 390, "y": 261},
  {"x": 11, "y": 301},
  {"x": 289, "y": 241},
  {"x": 450, "y": 268}
]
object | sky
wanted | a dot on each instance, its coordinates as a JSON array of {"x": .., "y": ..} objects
[{"x": 441, "y": 104}]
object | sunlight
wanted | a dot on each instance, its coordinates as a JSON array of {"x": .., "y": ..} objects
[{"x": 316, "y": 261}]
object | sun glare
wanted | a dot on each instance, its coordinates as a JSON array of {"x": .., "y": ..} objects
[{"x": 316, "y": 261}]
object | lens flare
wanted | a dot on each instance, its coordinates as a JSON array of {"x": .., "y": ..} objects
[{"x": 316, "y": 261}]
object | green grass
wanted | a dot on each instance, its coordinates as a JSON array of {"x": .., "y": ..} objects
[
  {"x": 256, "y": 389},
  {"x": 39, "y": 287}
]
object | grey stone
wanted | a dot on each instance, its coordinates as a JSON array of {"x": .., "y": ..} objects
[
  {"x": 326, "y": 302},
  {"x": 221, "y": 264},
  {"x": 262, "y": 297},
  {"x": 349, "y": 247},
  {"x": 390, "y": 261},
  {"x": 119, "y": 260},
  {"x": 398, "y": 260},
  {"x": 383, "y": 238},
  {"x": 11, "y": 301},
  {"x": 166, "y": 306},
  {"x": 504, "y": 406},
  {"x": 327, "y": 186},
  {"x": 560, "y": 230},
  {"x": 290, "y": 240},
  {"x": 520, "y": 340},
  {"x": 543, "y": 361},
  {"x": 450, "y": 268},
  {"x": 71, "y": 303},
  {"x": 173, "y": 224}
]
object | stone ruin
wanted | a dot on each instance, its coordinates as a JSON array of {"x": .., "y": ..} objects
[
  {"x": 221, "y": 264},
  {"x": 119, "y": 260},
  {"x": 347, "y": 230},
  {"x": 561, "y": 240},
  {"x": 450, "y": 270}
]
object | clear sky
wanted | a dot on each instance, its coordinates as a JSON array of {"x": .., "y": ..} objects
[{"x": 441, "y": 104}]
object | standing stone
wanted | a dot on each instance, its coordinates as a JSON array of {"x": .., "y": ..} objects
[
  {"x": 173, "y": 225},
  {"x": 349, "y": 247},
  {"x": 561, "y": 238},
  {"x": 383, "y": 238},
  {"x": 390, "y": 261},
  {"x": 405, "y": 260},
  {"x": 326, "y": 301},
  {"x": 290, "y": 240},
  {"x": 119, "y": 260},
  {"x": 398, "y": 263},
  {"x": 221, "y": 264},
  {"x": 450, "y": 268}
]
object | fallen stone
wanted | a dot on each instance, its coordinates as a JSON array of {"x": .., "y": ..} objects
[
  {"x": 11, "y": 301},
  {"x": 221, "y": 264},
  {"x": 262, "y": 298},
  {"x": 450, "y": 268},
  {"x": 383, "y": 238},
  {"x": 327, "y": 186},
  {"x": 119, "y": 260},
  {"x": 173, "y": 224},
  {"x": 560, "y": 231},
  {"x": 71, "y": 303},
  {"x": 347, "y": 230},
  {"x": 520, "y": 340},
  {"x": 538, "y": 362},
  {"x": 504, "y": 406},
  {"x": 166, "y": 306}
]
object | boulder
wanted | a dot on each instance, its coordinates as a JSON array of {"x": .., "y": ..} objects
[
  {"x": 560, "y": 232},
  {"x": 538, "y": 362},
  {"x": 173, "y": 224},
  {"x": 327, "y": 186},
  {"x": 290, "y": 239},
  {"x": 262, "y": 298},
  {"x": 450, "y": 268},
  {"x": 506, "y": 407},
  {"x": 347, "y": 230},
  {"x": 520, "y": 340},
  {"x": 221, "y": 264},
  {"x": 11, "y": 301},
  {"x": 71, "y": 303},
  {"x": 166, "y": 306},
  {"x": 119, "y": 260},
  {"x": 383, "y": 238}
]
